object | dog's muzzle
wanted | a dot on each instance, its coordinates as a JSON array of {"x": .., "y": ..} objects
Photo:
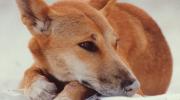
[
  {"x": 125, "y": 88},
  {"x": 130, "y": 87}
]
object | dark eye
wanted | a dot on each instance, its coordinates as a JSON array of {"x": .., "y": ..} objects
[
  {"x": 116, "y": 44},
  {"x": 89, "y": 46}
]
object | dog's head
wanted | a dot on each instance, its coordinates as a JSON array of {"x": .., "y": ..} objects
[{"x": 77, "y": 43}]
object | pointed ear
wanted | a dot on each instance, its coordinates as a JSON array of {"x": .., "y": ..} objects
[
  {"x": 34, "y": 14},
  {"x": 98, "y": 4},
  {"x": 108, "y": 6}
]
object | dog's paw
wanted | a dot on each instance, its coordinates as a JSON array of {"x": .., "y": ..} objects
[{"x": 41, "y": 89}]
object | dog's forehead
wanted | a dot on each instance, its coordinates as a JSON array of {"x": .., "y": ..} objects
[
  {"x": 74, "y": 25},
  {"x": 73, "y": 21},
  {"x": 68, "y": 24}
]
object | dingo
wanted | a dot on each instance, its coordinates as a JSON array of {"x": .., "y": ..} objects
[{"x": 109, "y": 47}]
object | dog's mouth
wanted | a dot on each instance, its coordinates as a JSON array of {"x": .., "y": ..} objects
[
  {"x": 86, "y": 83},
  {"x": 108, "y": 92},
  {"x": 91, "y": 87},
  {"x": 93, "y": 91}
]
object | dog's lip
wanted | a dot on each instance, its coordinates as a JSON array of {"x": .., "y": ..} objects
[
  {"x": 124, "y": 93},
  {"x": 99, "y": 94},
  {"x": 92, "y": 90},
  {"x": 87, "y": 84},
  {"x": 95, "y": 92},
  {"x": 111, "y": 95}
]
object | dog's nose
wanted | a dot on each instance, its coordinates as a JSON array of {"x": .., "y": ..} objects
[
  {"x": 130, "y": 87},
  {"x": 126, "y": 83}
]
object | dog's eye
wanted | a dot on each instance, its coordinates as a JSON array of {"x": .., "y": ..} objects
[
  {"x": 116, "y": 43},
  {"x": 89, "y": 46}
]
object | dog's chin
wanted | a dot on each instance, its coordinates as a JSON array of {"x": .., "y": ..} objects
[{"x": 109, "y": 93}]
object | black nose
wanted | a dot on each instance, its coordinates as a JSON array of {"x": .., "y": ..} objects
[{"x": 126, "y": 83}]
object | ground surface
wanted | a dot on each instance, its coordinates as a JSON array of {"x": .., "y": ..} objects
[{"x": 15, "y": 56}]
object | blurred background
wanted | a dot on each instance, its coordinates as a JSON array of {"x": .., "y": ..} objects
[{"x": 15, "y": 56}]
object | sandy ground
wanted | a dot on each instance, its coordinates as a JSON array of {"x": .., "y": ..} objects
[{"x": 15, "y": 56}]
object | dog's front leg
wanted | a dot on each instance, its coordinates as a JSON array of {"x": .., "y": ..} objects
[
  {"x": 36, "y": 86},
  {"x": 74, "y": 91}
]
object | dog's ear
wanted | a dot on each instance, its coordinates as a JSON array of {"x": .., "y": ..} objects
[
  {"x": 98, "y": 4},
  {"x": 108, "y": 6},
  {"x": 34, "y": 15}
]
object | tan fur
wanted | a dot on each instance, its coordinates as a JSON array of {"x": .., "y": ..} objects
[
  {"x": 128, "y": 39},
  {"x": 149, "y": 57}
]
